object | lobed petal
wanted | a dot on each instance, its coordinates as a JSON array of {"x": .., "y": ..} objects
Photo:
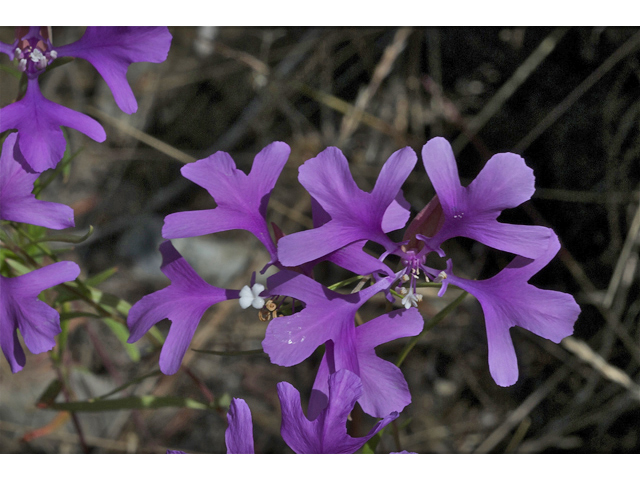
[
  {"x": 327, "y": 315},
  {"x": 354, "y": 214},
  {"x": 472, "y": 212},
  {"x": 242, "y": 199},
  {"x": 384, "y": 388},
  {"x": 38, "y": 122},
  {"x": 183, "y": 303},
  {"x": 327, "y": 433},
  {"x": 112, "y": 49},
  {"x": 507, "y": 300},
  {"x": 239, "y": 433},
  {"x": 20, "y": 309},
  {"x": 17, "y": 203}
]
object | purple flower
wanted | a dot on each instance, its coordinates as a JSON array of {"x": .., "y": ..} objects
[
  {"x": 242, "y": 199},
  {"x": 112, "y": 49},
  {"x": 38, "y": 122},
  {"x": 504, "y": 182},
  {"x": 239, "y": 433},
  {"x": 327, "y": 433},
  {"x": 17, "y": 203},
  {"x": 109, "y": 49},
  {"x": 183, "y": 302},
  {"x": 384, "y": 388},
  {"x": 327, "y": 316},
  {"x": 20, "y": 309},
  {"x": 355, "y": 215},
  {"x": 508, "y": 300}
]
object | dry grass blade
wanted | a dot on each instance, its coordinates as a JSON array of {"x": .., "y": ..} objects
[
  {"x": 627, "y": 48},
  {"x": 510, "y": 86},
  {"x": 391, "y": 53},
  {"x": 145, "y": 138},
  {"x": 585, "y": 353}
]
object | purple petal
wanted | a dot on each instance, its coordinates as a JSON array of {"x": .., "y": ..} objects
[
  {"x": 112, "y": 49},
  {"x": 355, "y": 215},
  {"x": 17, "y": 203},
  {"x": 38, "y": 122},
  {"x": 20, "y": 309},
  {"x": 239, "y": 434},
  {"x": 384, "y": 388},
  {"x": 8, "y": 49},
  {"x": 397, "y": 214},
  {"x": 183, "y": 302},
  {"x": 472, "y": 211},
  {"x": 508, "y": 300},
  {"x": 242, "y": 199},
  {"x": 291, "y": 339},
  {"x": 328, "y": 432}
]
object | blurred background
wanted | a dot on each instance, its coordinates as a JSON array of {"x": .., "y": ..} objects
[{"x": 567, "y": 100}]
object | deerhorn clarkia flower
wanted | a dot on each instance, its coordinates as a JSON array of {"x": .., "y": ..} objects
[
  {"x": 17, "y": 203},
  {"x": 242, "y": 199},
  {"x": 355, "y": 215},
  {"x": 109, "y": 49},
  {"x": 384, "y": 388},
  {"x": 327, "y": 433},
  {"x": 20, "y": 309},
  {"x": 508, "y": 300},
  {"x": 183, "y": 302}
]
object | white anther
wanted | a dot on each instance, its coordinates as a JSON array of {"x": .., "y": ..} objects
[
  {"x": 411, "y": 300},
  {"x": 38, "y": 58},
  {"x": 403, "y": 291},
  {"x": 251, "y": 296},
  {"x": 53, "y": 54},
  {"x": 18, "y": 52},
  {"x": 22, "y": 65},
  {"x": 442, "y": 276},
  {"x": 405, "y": 278}
]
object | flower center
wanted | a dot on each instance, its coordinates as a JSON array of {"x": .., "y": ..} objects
[{"x": 34, "y": 55}]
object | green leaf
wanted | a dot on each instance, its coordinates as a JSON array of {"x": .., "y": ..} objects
[
  {"x": 49, "y": 395},
  {"x": 98, "y": 278},
  {"x": 143, "y": 402},
  {"x": 122, "y": 333},
  {"x": 65, "y": 237},
  {"x": 231, "y": 353}
]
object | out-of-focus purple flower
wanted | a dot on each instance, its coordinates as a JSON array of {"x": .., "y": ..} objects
[
  {"x": 17, "y": 203},
  {"x": 504, "y": 182},
  {"x": 109, "y": 49},
  {"x": 112, "y": 49},
  {"x": 38, "y": 122},
  {"x": 178, "y": 452},
  {"x": 508, "y": 300},
  {"x": 384, "y": 388},
  {"x": 327, "y": 433},
  {"x": 327, "y": 316},
  {"x": 242, "y": 199},
  {"x": 355, "y": 215},
  {"x": 183, "y": 302},
  {"x": 239, "y": 433},
  {"x": 21, "y": 310}
]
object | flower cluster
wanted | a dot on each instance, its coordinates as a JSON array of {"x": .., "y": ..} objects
[
  {"x": 39, "y": 144},
  {"x": 305, "y": 315}
]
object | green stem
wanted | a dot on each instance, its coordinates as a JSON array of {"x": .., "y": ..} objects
[{"x": 429, "y": 325}]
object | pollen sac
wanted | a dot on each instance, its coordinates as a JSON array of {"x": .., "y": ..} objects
[{"x": 269, "y": 311}]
